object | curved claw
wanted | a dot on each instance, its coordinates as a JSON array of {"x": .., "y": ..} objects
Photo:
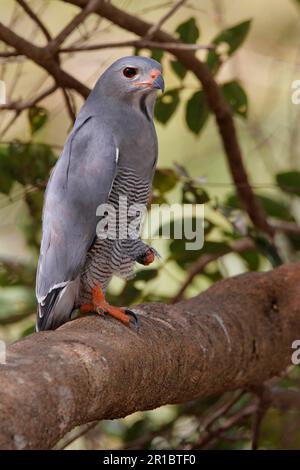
[{"x": 135, "y": 318}]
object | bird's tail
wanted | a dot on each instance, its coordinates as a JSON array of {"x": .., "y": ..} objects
[{"x": 56, "y": 308}]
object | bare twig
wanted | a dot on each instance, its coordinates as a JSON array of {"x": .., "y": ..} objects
[
  {"x": 228, "y": 424},
  {"x": 69, "y": 439},
  {"x": 10, "y": 54},
  {"x": 288, "y": 227},
  {"x": 264, "y": 401},
  {"x": 35, "y": 18},
  {"x": 143, "y": 43},
  {"x": 41, "y": 58},
  {"x": 198, "y": 267},
  {"x": 220, "y": 411},
  {"x": 156, "y": 27},
  {"x": 69, "y": 105},
  {"x": 53, "y": 45},
  {"x": 21, "y": 105}
]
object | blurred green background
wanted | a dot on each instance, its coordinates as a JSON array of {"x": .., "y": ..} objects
[{"x": 259, "y": 76}]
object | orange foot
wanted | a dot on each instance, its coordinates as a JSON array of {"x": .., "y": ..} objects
[{"x": 100, "y": 305}]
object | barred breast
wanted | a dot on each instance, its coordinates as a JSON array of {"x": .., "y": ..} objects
[{"x": 116, "y": 254}]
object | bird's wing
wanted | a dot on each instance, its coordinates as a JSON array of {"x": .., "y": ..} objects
[{"x": 81, "y": 180}]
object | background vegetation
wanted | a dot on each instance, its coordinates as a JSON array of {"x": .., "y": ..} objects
[{"x": 255, "y": 59}]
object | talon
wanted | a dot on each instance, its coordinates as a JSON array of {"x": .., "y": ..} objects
[
  {"x": 147, "y": 257},
  {"x": 100, "y": 305},
  {"x": 136, "y": 320}
]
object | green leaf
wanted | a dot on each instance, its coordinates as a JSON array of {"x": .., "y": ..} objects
[
  {"x": 252, "y": 259},
  {"x": 28, "y": 330},
  {"x": 146, "y": 275},
  {"x": 236, "y": 97},
  {"x": 31, "y": 163},
  {"x": 289, "y": 182},
  {"x": 16, "y": 302},
  {"x": 188, "y": 31},
  {"x": 166, "y": 105},
  {"x": 6, "y": 179},
  {"x": 193, "y": 193},
  {"x": 185, "y": 257},
  {"x": 37, "y": 118},
  {"x": 196, "y": 112},
  {"x": 157, "y": 54},
  {"x": 179, "y": 69},
  {"x": 268, "y": 250},
  {"x": 215, "y": 248},
  {"x": 232, "y": 38},
  {"x": 13, "y": 273},
  {"x": 164, "y": 180},
  {"x": 272, "y": 206}
]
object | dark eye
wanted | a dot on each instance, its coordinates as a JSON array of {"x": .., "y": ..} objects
[{"x": 130, "y": 72}]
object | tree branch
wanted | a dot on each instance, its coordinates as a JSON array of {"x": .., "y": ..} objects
[
  {"x": 90, "y": 7},
  {"x": 38, "y": 55},
  {"x": 35, "y": 18},
  {"x": 142, "y": 43},
  {"x": 239, "y": 246},
  {"x": 21, "y": 105},
  {"x": 95, "y": 368},
  {"x": 156, "y": 27}
]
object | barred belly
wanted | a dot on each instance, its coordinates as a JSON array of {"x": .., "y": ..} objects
[{"x": 115, "y": 255}]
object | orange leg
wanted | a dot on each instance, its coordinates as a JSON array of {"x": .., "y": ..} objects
[{"x": 100, "y": 305}]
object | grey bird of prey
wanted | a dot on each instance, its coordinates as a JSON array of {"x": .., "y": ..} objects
[{"x": 110, "y": 152}]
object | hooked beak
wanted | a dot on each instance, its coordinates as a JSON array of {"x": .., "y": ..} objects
[
  {"x": 156, "y": 81},
  {"x": 159, "y": 83}
]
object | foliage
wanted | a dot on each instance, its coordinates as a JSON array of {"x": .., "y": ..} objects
[{"x": 24, "y": 171}]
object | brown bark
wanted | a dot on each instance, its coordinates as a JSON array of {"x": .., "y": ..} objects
[{"x": 236, "y": 334}]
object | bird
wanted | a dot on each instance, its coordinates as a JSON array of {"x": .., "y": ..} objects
[{"x": 110, "y": 153}]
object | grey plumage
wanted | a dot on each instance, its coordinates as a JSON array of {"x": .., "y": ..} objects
[{"x": 111, "y": 150}]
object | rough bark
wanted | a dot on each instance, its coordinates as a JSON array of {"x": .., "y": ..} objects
[{"x": 236, "y": 334}]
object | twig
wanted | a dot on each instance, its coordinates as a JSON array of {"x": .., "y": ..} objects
[
  {"x": 35, "y": 18},
  {"x": 143, "y": 43},
  {"x": 69, "y": 105},
  {"x": 228, "y": 424},
  {"x": 10, "y": 54},
  {"x": 156, "y": 27},
  {"x": 10, "y": 123},
  {"x": 264, "y": 401},
  {"x": 221, "y": 411},
  {"x": 42, "y": 57},
  {"x": 198, "y": 267},
  {"x": 53, "y": 45},
  {"x": 288, "y": 227},
  {"x": 73, "y": 436},
  {"x": 21, "y": 105}
]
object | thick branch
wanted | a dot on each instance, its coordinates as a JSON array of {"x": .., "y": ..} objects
[{"x": 237, "y": 334}]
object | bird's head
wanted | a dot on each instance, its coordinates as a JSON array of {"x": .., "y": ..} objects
[{"x": 131, "y": 77}]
